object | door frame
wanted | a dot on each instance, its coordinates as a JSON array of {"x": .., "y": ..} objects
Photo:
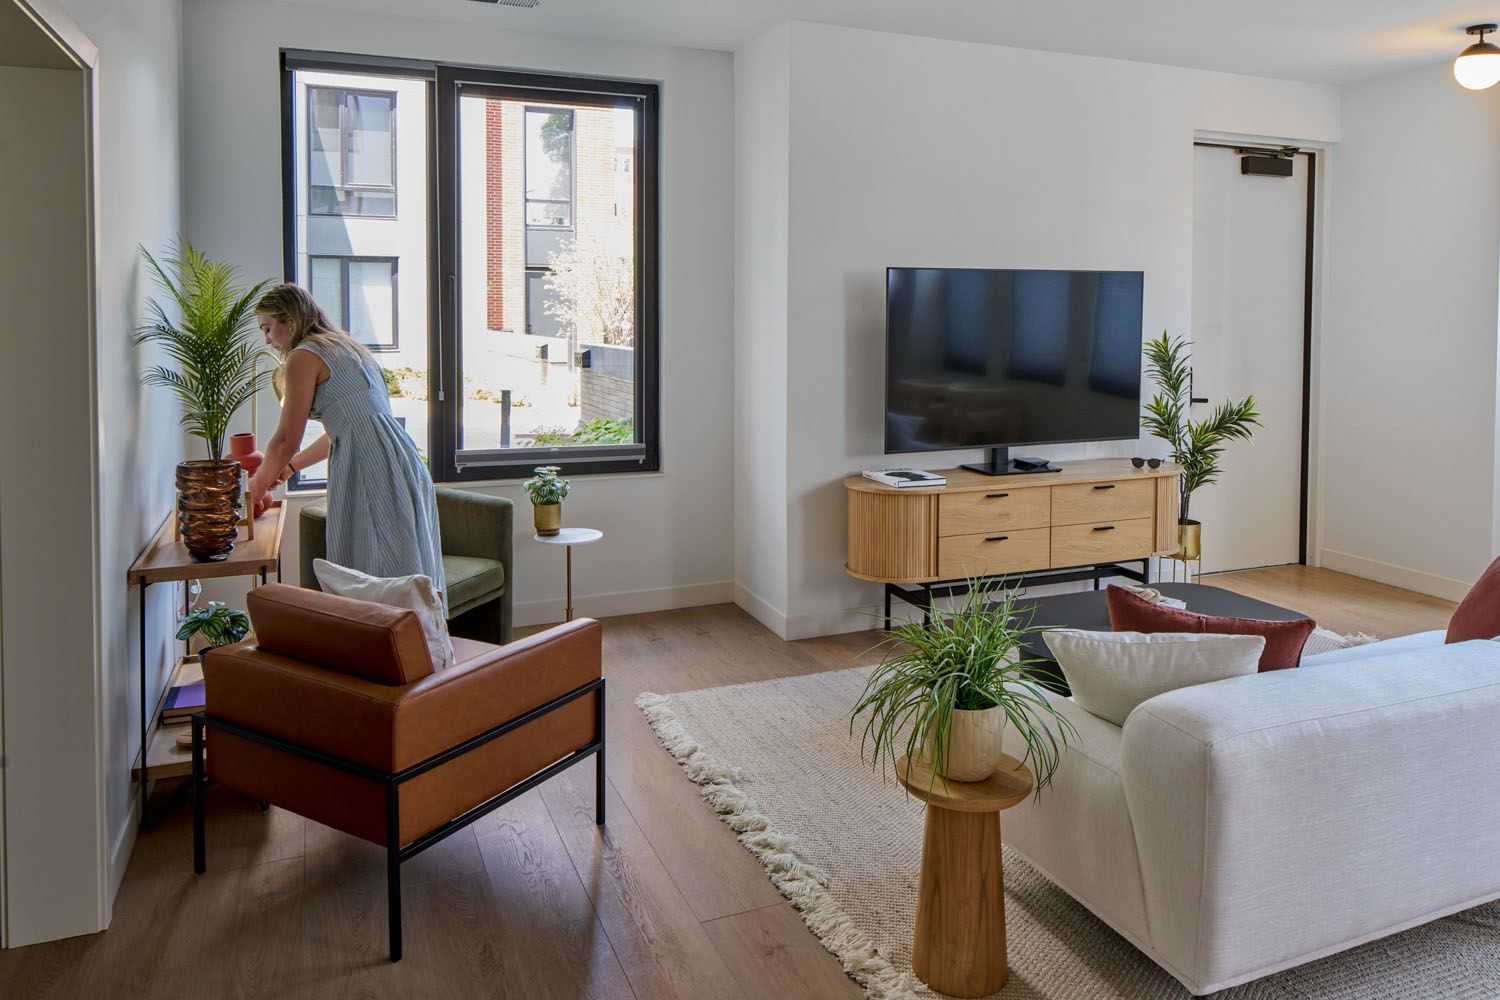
[{"x": 1309, "y": 298}]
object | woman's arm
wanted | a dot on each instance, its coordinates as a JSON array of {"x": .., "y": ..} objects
[
  {"x": 311, "y": 455},
  {"x": 303, "y": 369}
]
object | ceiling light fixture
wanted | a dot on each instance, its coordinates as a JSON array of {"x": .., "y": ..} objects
[
  {"x": 1478, "y": 66},
  {"x": 512, "y": 3}
]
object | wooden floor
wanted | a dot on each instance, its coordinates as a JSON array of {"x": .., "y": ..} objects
[{"x": 534, "y": 901}]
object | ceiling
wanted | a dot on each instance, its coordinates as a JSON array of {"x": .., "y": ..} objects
[
  {"x": 1326, "y": 41},
  {"x": 24, "y": 44}
]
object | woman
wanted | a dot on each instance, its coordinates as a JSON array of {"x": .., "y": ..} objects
[{"x": 382, "y": 507}]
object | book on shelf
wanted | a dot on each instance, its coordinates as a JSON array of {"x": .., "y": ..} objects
[
  {"x": 904, "y": 478},
  {"x": 185, "y": 695}
]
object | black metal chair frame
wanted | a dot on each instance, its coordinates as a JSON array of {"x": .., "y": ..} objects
[{"x": 395, "y": 854}]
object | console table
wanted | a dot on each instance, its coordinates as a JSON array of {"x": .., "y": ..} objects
[{"x": 1049, "y": 527}]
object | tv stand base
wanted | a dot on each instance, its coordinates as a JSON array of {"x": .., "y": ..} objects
[{"x": 1001, "y": 464}]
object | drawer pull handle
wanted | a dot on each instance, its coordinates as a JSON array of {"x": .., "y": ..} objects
[
  {"x": 1105, "y": 486},
  {"x": 1105, "y": 527},
  {"x": 996, "y": 496},
  {"x": 997, "y": 538}
]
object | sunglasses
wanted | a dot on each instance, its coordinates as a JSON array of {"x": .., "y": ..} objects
[{"x": 1155, "y": 463}]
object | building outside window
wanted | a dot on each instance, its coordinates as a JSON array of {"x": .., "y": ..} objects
[
  {"x": 359, "y": 295},
  {"x": 352, "y": 143}
]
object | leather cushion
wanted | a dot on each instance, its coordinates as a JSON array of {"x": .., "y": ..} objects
[
  {"x": 1284, "y": 640},
  {"x": 359, "y": 638},
  {"x": 470, "y": 578},
  {"x": 1478, "y": 615}
]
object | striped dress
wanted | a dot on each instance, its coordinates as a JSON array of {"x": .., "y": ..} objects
[{"x": 382, "y": 508}]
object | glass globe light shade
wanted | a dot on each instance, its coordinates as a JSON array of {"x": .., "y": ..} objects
[{"x": 1478, "y": 66}]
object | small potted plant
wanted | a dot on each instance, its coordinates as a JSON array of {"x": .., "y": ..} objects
[
  {"x": 546, "y": 492},
  {"x": 945, "y": 690},
  {"x": 216, "y": 622}
]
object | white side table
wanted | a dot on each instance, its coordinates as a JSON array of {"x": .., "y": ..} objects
[{"x": 567, "y": 538}]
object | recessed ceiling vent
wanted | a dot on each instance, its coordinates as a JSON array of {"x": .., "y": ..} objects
[{"x": 512, "y": 3}]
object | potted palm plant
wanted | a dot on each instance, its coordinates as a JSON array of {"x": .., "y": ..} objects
[
  {"x": 946, "y": 688},
  {"x": 547, "y": 493},
  {"x": 1196, "y": 445},
  {"x": 213, "y": 352}
]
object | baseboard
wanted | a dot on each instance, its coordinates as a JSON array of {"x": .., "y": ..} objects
[
  {"x": 625, "y": 602},
  {"x": 840, "y": 621},
  {"x": 1396, "y": 576},
  {"x": 121, "y": 850},
  {"x": 760, "y": 609}
]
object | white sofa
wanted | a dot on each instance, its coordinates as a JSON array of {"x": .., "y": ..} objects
[{"x": 1234, "y": 829}]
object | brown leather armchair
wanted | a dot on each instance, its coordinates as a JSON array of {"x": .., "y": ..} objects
[{"x": 333, "y": 711}]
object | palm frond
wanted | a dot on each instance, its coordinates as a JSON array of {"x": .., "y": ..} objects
[{"x": 212, "y": 345}]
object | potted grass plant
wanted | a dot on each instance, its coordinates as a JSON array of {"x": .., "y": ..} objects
[
  {"x": 213, "y": 351},
  {"x": 945, "y": 690},
  {"x": 1196, "y": 445},
  {"x": 547, "y": 493}
]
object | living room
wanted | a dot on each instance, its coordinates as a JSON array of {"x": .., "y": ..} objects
[{"x": 1306, "y": 199}]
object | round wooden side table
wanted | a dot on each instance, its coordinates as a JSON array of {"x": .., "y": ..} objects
[
  {"x": 959, "y": 944},
  {"x": 569, "y": 537}
]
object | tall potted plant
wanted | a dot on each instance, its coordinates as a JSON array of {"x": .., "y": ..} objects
[
  {"x": 1196, "y": 445},
  {"x": 213, "y": 351},
  {"x": 945, "y": 690}
]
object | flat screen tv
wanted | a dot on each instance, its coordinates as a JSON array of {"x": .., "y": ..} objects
[{"x": 994, "y": 359}]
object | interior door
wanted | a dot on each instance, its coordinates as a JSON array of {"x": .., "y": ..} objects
[{"x": 1249, "y": 265}]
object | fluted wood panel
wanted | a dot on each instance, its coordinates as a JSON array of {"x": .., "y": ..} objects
[
  {"x": 893, "y": 536},
  {"x": 1166, "y": 516}
]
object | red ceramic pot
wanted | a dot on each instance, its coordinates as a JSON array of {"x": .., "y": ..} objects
[{"x": 242, "y": 450}]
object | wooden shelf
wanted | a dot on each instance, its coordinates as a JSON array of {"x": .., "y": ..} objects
[
  {"x": 167, "y": 559},
  {"x": 164, "y": 759}
]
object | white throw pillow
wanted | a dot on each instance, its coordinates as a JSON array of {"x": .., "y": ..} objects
[
  {"x": 1111, "y": 673},
  {"x": 416, "y": 593}
]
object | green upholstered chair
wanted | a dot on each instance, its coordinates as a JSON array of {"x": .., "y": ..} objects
[{"x": 476, "y": 539}]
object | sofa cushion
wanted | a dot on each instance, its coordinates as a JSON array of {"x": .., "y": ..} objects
[
  {"x": 1375, "y": 650},
  {"x": 471, "y": 578},
  {"x": 1284, "y": 640},
  {"x": 373, "y": 641},
  {"x": 415, "y": 592},
  {"x": 1478, "y": 615},
  {"x": 1110, "y": 673}
]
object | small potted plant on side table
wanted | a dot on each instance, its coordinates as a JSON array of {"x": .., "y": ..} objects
[
  {"x": 947, "y": 688},
  {"x": 217, "y": 622},
  {"x": 547, "y": 493}
]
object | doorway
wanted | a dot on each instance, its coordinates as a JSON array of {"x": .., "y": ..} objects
[{"x": 1251, "y": 329}]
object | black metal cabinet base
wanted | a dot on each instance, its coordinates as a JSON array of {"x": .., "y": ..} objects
[{"x": 923, "y": 595}]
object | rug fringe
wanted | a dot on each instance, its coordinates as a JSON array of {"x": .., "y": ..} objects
[{"x": 804, "y": 885}]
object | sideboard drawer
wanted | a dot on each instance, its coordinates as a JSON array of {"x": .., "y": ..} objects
[
  {"x": 1089, "y": 503},
  {"x": 1086, "y": 544},
  {"x": 994, "y": 510},
  {"x": 961, "y": 556}
]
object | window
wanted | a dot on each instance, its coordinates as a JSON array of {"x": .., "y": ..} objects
[
  {"x": 352, "y": 138},
  {"x": 530, "y": 266},
  {"x": 359, "y": 294}
]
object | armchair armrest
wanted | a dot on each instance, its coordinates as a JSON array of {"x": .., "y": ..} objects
[{"x": 476, "y": 524}]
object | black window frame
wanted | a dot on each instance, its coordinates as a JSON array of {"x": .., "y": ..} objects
[
  {"x": 343, "y": 319},
  {"x": 644, "y": 455},
  {"x": 444, "y": 241},
  {"x": 344, "y": 131}
]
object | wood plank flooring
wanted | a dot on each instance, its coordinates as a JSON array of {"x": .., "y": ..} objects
[{"x": 534, "y": 901}]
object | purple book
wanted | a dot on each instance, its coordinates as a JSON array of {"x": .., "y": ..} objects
[{"x": 184, "y": 699}]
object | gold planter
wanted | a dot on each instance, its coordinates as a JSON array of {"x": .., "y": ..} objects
[
  {"x": 1189, "y": 541},
  {"x": 208, "y": 507},
  {"x": 548, "y": 518}
]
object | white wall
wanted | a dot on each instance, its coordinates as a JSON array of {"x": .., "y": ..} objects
[
  {"x": 916, "y": 151},
  {"x": 1408, "y": 349},
  {"x": 77, "y": 831},
  {"x": 761, "y": 182},
  {"x": 668, "y": 537}
]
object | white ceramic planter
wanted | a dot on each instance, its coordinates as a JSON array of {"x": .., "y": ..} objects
[{"x": 974, "y": 743}]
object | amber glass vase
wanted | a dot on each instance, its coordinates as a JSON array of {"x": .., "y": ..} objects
[{"x": 208, "y": 507}]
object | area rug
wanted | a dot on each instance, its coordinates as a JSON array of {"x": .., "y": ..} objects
[{"x": 777, "y": 762}]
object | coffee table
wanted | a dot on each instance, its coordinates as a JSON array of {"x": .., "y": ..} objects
[
  {"x": 1087, "y": 610},
  {"x": 958, "y": 946}
]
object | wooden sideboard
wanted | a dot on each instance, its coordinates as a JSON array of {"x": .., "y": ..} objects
[{"x": 1092, "y": 513}]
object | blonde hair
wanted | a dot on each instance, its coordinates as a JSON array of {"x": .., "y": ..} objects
[{"x": 291, "y": 303}]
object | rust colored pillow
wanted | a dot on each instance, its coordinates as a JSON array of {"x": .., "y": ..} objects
[
  {"x": 1478, "y": 616},
  {"x": 1284, "y": 640},
  {"x": 373, "y": 641}
]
